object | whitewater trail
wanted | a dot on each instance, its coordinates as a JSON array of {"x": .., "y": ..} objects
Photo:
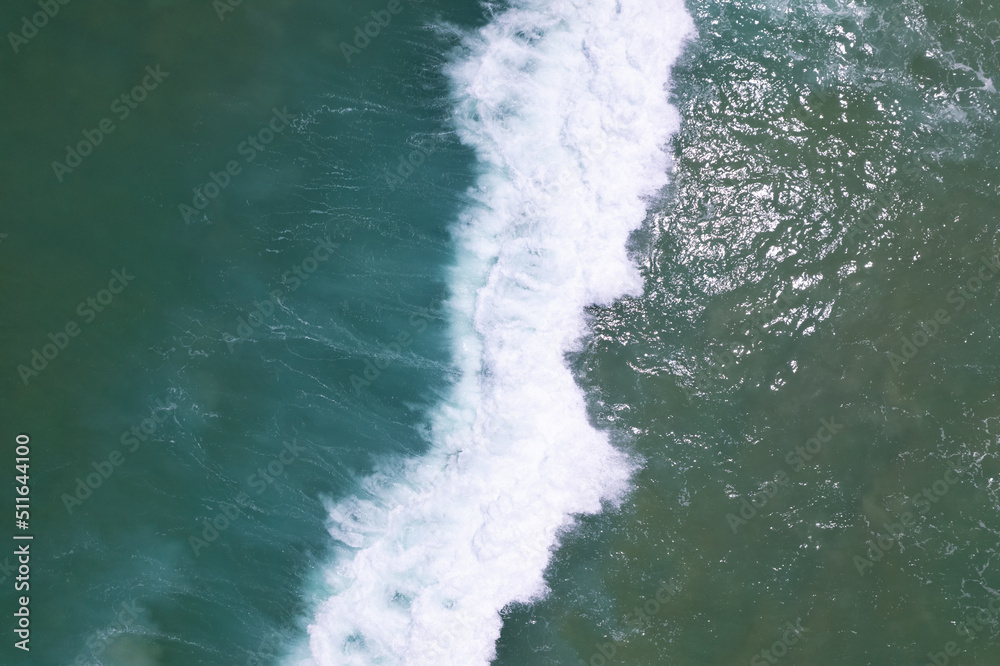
[{"x": 566, "y": 105}]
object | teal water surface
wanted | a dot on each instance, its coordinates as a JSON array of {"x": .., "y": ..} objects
[{"x": 807, "y": 379}]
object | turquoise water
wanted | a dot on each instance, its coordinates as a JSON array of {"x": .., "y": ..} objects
[{"x": 532, "y": 333}]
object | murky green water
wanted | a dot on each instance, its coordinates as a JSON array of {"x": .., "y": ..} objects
[{"x": 811, "y": 368}]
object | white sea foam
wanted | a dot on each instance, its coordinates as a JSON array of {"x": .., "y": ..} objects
[{"x": 565, "y": 103}]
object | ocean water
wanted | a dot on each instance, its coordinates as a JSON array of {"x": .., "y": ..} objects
[{"x": 574, "y": 332}]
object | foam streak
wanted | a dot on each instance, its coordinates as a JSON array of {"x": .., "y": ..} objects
[{"x": 565, "y": 103}]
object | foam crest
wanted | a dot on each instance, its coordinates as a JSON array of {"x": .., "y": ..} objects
[{"x": 566, "y": 106}]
